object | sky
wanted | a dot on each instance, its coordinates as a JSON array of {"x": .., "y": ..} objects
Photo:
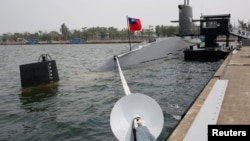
[{"x": 19, "y": 16}]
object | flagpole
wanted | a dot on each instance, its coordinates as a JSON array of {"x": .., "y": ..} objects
[{"x": 128, "y": 34}]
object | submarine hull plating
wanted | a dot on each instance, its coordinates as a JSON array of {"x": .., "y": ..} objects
[{"x": 150, "y": 53}]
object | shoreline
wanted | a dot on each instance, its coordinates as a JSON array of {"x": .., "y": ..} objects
[{"x": 67, "y": 42}]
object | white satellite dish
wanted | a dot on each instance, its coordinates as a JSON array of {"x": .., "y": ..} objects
[{"x": 131, "y": 106}]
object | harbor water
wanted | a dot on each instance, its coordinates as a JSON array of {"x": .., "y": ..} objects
[{"x": 78, "y": 107}]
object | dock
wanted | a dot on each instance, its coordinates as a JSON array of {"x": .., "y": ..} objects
[{"x": 235, "y": 104}]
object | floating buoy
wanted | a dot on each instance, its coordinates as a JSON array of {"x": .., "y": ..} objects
[{"x": 42, "y": 72}]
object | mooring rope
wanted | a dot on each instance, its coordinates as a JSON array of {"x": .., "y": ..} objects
[
  {"x": 124, "y": 82},
  {"x": 123, "y": 54}
]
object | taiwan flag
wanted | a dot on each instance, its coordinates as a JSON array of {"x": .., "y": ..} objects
[{"x": 134, "y": 24}]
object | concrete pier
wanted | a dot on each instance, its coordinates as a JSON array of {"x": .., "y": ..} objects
[{"x": 235, "y": 108}]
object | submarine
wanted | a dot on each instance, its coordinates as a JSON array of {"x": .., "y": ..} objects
[
  {"x": 202, "y": 46},
  {"x": 214, "y": 32},
  {"x": 149, "y": 53},
  {"x": 159, "y": 50}
]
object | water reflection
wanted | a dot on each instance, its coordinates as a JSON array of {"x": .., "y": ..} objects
[{"x": 38, "y": 98}]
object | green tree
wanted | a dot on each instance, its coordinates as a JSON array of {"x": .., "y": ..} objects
[
  {"x": 158, "y": 31},
  {"x": 16, "y": 36},
  {"x": 172, "y": 30},
  {"x": 243, "y": 25},
  {"x": 53, "y": 35},
  {"x": 64, "y": 31},
  {"x": 5, "y": 37},
  {"x": 164, "y": 30},
  {"x": 113, "y": 33},
  {"x": 76, "y": 34}
]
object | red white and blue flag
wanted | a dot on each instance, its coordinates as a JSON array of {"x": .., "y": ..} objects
[{"x": 134, "y": 24}]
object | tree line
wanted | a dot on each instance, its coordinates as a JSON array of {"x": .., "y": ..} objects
[
  {"x": 92, "y": 33},
  {"x": 244, "y": 25},
  {"x": 101, "y": 33}
]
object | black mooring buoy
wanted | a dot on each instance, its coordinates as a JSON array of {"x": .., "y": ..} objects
[{"x": 41, "y": 72}]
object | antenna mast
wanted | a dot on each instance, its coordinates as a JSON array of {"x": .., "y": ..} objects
[{"x": 186, "y": 2}]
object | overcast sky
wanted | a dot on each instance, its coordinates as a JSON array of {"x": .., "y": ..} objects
[{"x": 48, "y": 15}]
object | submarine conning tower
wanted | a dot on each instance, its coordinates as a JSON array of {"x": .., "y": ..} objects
[{"x": 185, "y": 19}]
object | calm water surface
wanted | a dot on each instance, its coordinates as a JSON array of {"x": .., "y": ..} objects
[{"x": 78, "y": 107}]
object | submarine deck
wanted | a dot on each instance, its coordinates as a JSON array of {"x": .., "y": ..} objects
[{"x": 235, "y": 107}]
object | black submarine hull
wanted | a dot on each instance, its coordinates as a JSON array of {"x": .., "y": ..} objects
[{"x": 205, "y": 55}]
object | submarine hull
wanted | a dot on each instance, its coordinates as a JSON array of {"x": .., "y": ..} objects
[
  {"x": 150, "y": 53},
  {"x": 205, "y": 55}
]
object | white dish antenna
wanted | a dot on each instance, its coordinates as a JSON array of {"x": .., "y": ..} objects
[{"x": 131, "y": 106}]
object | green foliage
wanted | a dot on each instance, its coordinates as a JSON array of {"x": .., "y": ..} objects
[
  {"x": 101, "y": 33},
  {"x": 243, "y": 25},
  {"x": 92, "y": 33},
  {"x": 163, "y": 31}
]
